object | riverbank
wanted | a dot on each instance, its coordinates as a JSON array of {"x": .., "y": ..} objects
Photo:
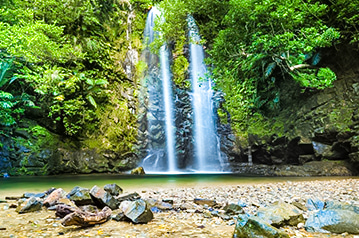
[{"x": 185, "y": 218}]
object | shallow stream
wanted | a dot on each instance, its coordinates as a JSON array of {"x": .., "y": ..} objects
[{"x": 129, "y": 183}]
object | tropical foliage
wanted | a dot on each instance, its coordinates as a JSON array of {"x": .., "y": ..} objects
[
  {"x": 254, "y": 46},
  {"x": 65, "y": 59}
]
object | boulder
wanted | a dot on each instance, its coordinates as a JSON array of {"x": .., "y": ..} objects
[
  {"x": 333, "y": 220},
  {"x": 33, "y": 204},
  {"x": 137, "y": 211},
  {"x": 80, "y": 196},
  {"x": 138, "y": 171},
  {"x": 113, "y": 189},
  {"x": 54, "y": 197},
  {"x": 280, "y": 214},
  {"x": 254, "y": 227},
  {"x": 101, "y": 198}
]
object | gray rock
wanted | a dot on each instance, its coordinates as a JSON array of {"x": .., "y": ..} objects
[
  {"x": 233, "y": 209},
  {"x": 32, "y": 205},
  {"x": 333, "y": 220},
  {"x": 113, "y": 189},
  {"x": 137, "y": 211},
  {"x": 102, "y": 198},
  {"x": 280, "y": 214},
  {"x": 254, "y": 227},
  {"x": 80, "y": 196}
]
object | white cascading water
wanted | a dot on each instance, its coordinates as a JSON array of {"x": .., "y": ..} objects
[
  {"x": 208, "y": 156},
  {"x": 165, "y": 77}
]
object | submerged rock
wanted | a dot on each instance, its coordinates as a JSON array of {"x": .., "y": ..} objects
[
  {"x": 280, "y": 214},
  {"x": 333, "y": 220},
  {"x": 137, "y": 211},
  {"x": 254, "y": 227}
]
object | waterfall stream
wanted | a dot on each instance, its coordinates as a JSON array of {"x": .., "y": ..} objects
[
  {"x": 159, "y": 85},
  {"x": 207, "y": 150},
  {"x": 205, "y": 153}
]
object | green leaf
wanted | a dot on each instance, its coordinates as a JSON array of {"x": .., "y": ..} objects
[
  {"x": 101, "y": 82},
  {"x": 92, "y": 100},
  {"x": 89, "y": 81},
  {"x": 6, "y": 95}
]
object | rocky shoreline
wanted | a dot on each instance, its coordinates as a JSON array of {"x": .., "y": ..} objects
[{"x": 284, "y": 209}]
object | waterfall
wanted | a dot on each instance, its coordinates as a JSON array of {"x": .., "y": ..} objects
[
  {"x": 203, "y": 153},
  {"x": 208, "y": 157},
  {"x": 160, "y": 116}
]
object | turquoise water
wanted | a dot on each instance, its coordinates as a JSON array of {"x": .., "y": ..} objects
[{"x": 18, "y": 185}]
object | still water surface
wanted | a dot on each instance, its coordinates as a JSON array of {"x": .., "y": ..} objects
[{"x": 18, "y": 185}]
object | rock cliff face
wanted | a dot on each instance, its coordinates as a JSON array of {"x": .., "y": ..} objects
[{"x": 317, "y": 125}]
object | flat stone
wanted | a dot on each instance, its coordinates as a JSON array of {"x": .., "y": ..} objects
[{"x": 209, "y": 202}]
